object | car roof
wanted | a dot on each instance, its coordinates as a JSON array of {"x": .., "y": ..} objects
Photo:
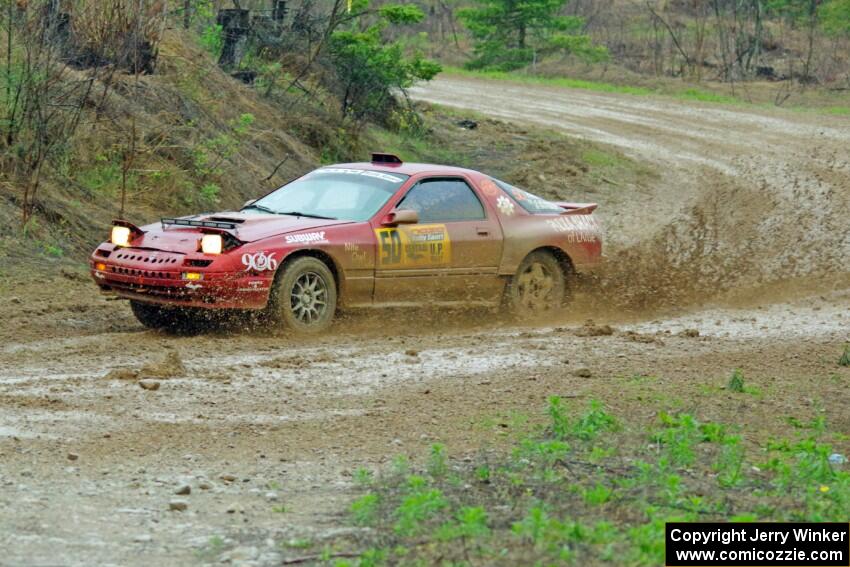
[{"x": 407, "y": 168}]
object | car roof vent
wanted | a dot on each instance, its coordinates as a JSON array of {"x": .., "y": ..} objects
[{"x": 386, "y": 158}]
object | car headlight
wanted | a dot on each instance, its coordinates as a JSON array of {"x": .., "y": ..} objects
[
  {"x": 120, "y": 236},
  {"x": 211, "y": 244}
]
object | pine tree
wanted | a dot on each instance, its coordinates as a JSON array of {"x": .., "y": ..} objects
[{"x": 510, "y": 34}]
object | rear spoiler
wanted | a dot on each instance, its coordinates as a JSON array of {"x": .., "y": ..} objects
[{"x": 576, "y": 208}]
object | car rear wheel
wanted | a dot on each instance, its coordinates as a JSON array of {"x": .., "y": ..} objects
[
  {"x": 538, "y": 287},
  {"x": 304, "y": 296}
]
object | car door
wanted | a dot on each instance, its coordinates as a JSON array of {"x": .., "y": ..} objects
[{"x": 451, "y": 255}]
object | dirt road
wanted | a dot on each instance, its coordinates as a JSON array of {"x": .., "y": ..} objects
[
  {"x": 266, "y": 432},
  {"x": 749, "y": 194}
]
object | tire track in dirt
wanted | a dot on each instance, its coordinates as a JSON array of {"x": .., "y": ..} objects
[{"x": 748, "y": 196}]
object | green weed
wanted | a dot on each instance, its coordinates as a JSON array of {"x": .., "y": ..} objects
[
  {"x": 214, "y": 547},
  {"x": 364, "y": 509},
  {"x": 547, "y": 452},
  {"x": 598, "y": 495},
  {"x": 533, "y": 526},
  {"x": 470, "y": 522},
  {"x": 437, "y": 467},
  {"x": 417, "y": 508},
  {"x": 550, "y": 501},
  {"x": 730, "y": 463},
  {"x": 586, "y": 427},
  {"x": 845, "y": 357},
  {"x": 736, "y": 381},
  {"x": 401, "y": 465},
  {"x": 363, "y": 476}
]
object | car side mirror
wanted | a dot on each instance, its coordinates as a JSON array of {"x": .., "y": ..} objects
[
  {"x": 249, "y": 202},
  {"x": 401, "y": 216}
]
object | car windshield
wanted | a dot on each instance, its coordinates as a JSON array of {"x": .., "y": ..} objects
[
  {"x": 529, "y": 201},
  {"x": 333, "y": 193}
]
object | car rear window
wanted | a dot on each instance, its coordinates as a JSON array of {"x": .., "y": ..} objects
[{"x": 529, "y": 201}]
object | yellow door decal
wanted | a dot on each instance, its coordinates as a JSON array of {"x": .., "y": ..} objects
[{"x": 414, "y": 246}]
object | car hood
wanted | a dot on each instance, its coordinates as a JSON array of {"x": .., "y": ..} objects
[{"x": 249, "y": 228}]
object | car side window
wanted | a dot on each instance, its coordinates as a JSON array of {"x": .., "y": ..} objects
[{"x": 443, "y": 200}]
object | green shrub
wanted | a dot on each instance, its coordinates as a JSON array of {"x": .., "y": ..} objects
[{"x": 212, "y": 40}]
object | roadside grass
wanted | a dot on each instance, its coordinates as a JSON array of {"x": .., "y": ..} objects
[
  {"x": 694, "y": 94},
  {"x": 837, "y": 110},
  {"x": 690, "y": 93},
  {"x": 597, "y": 157},
  {"x": 585, "y": 487}
]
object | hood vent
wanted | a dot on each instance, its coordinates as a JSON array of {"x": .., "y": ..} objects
[
  {"x": 230, "y": 224},
  {"x": 226, "y": 219}
]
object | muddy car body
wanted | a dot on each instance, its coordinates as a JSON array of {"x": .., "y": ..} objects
[{"x": 381, "y": 233}]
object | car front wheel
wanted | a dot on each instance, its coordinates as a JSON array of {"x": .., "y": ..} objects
[
  {"x": 304, "y": 296},
  {"x": 154, "y": 316}
]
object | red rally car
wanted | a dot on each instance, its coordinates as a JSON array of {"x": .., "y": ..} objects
[{"x": 376, "y": 234}]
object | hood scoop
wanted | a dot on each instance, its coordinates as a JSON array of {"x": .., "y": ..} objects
[
  {"x": 233, "y": 220},
  {"x": 228, "y": 224}
]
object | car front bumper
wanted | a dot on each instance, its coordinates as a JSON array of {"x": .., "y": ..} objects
[{"x": 166, "y": 282}]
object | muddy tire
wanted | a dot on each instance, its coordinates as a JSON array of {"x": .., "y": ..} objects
[
  {"x": 538, "y": 287},
  {"x": 154, "y": 316},
  {"x": 303, "y": 297}
]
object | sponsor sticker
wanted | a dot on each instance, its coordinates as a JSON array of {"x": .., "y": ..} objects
[
  {"x": 306, "y": 238},
  {"x": 364, "y": 172},
  {"x": 489, "y": 187},
  {"x": 254, "y": 285},
  {"x": 359, "y": 257},
  {"x": 259, "y": 262},
  {"x": 505, "y": 205},
  {"x": 414, "y": 246},
  {"x": 577, "y": 228}
]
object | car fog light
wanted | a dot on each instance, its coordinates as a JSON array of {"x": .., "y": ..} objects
[
  {"x": 211, "y": 244},
  {"x": 120, "y": 236},
  {"x": 100, "y": 267}
]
